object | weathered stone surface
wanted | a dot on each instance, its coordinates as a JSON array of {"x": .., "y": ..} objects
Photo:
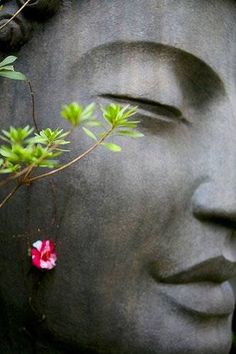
[{"x": 145, "y": 237}]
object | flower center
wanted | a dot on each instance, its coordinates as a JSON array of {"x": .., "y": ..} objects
[{"x": 46, "y": 256}]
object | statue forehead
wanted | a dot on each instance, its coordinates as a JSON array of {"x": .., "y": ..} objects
[
  {"x": 204, "y": 30},
  {"x": 187, "y": 24}
]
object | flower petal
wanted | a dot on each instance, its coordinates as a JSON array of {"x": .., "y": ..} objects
[
  {"x": 47, "y": 264},
  {"x": 36, "y": 260},
  {"x": 37, "y": 245}
]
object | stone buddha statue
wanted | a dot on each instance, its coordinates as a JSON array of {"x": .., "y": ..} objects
[{"x": 145, "y": 238}]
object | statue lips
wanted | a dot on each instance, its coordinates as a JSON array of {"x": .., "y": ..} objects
[
  {"x": 202, "y": 289},
  {"x": 205, "y": 299}
]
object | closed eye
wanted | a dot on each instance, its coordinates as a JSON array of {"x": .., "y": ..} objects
[{"x": 149, "y": 108}]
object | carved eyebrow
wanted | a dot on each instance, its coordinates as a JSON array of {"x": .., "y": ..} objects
[
  {"x": 198, "y": 81},
  {"x": 160, "y": 49}
]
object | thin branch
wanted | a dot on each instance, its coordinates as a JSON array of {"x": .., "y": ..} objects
[
  {"x": 33, "y": 106},
  {"x": 28, "y": 172},
  {"x": 12, "y": 177},
  {"x": 70, "y": 163},
  {"x": 13, "y": 191},
  {"x": 15, "y": 14}
]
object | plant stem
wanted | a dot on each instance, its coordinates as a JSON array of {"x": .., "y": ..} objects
[
  {"x": 12, "y": 177},
  {"x": 72, "y": 162},
  {"x": 33, "y": 105},
  {"x": 13, "y": 191},
  {"x": 15, "y": 14}
]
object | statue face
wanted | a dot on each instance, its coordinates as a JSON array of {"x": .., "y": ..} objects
[{"x": 145, "y": 237}]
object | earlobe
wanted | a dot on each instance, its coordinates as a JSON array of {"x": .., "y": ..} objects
[
  {"x": 15, "y": 33},
  {"x": 18, "y": 30},
  {"x": 40, "y": 9}
]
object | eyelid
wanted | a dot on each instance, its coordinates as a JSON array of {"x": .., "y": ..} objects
[{"x": 149, "y": 108}]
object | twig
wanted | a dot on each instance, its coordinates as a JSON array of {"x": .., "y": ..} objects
[
  {"x": 33, "y": 106},
  {"x": 12, "y": 177},
  {"x": 13, "y": 191},
  {"x": 15, "y": 14},
  {"x": 70, "y": 163}
]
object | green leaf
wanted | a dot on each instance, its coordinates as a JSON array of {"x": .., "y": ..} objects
[
  {"x": 130, "y": 133},
  {"x": 8, "y": 60},
  {"x": 10, "y": 168},
  {"x": 48, "y": 164},
  {"x": 16, "y": 135},
  {"x": 116, "y": 114},
  {"x": 121, "y": 111},
  {"x": 93, "y": 123},
  {"x": 112, "y": 147},
  {"x": 127, "y": 113},
  {"x": 72, "y": 113},
  {"x": 49, "y": 137},
  {"x": 128, "y": 124},
  {"x": 89, "y": 133},
  {"x": 7, "y": 68},
  {"x": 5, "y": 151},
  {"x": 14, "y": 75},
  {"x": 88, "y": 111},
  {"x": 75, "y": 113}
]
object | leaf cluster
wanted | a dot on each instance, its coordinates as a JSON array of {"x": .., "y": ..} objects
[
  {"x": 22, "y": 149},
  {"x": 118, "y": 118},
  {"x": 77, "y": 114},
  {"x": 50, "y": 137}
]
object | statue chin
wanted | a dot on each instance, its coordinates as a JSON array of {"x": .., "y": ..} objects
[{"x": 144, "y": 238}]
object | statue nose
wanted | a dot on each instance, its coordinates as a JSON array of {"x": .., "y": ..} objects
[{"x": 216, "y": 202}]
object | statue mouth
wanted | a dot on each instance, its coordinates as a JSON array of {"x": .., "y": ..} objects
[
  {"x": 202, "y": 289},
  {"x": 216, "y": 269},
  {"x": 204, "y": 299}
]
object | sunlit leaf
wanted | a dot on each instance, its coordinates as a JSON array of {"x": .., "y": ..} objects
[
  {"x": 8, "y": 60},
  {"x": 93, "y": 123},
  {"x": 7, "y": 68},
  {"x": 89, "y": 133},
  {"x": 130, "y": 133},
  {"x": 14, "y": 75},
  {"x": 112, "y": 147}
]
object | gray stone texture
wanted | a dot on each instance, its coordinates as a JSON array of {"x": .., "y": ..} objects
[{"x": 145, "y": 238}]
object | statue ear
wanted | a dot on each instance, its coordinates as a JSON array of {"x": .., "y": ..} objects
[
  {"x": 18, "y": 31},
  {"x": 39, "y": 9}
]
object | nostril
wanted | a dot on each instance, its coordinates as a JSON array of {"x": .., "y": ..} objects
[
  {"x": 214, "y": 205},
  {"x": 216, "y": 216}
]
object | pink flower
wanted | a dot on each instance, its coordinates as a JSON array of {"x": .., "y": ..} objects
[{"x": 43, "y": 254}]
